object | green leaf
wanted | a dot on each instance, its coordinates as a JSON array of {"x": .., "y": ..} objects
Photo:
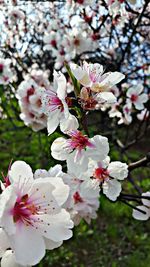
[{"x": 75, "y": 82}]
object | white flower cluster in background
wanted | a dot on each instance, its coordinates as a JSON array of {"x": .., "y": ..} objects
[
  {"x": 29, "y": 98},
  {"x": 135, "y": 100},
  {"x": 6, "y": 74}
]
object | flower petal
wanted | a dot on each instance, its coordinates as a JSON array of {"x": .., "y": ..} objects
[
  {"x": 112, "y": 189},
  {"x": 52, "y": 244},
  {"x": 53, "y": 121},
  {"x": 68, "y": 124},
  {"x": 20, "y": 170},
  {"x": 4, "y": 242},
  {"x": 146, "y": 202},
  {"x": 118, "y": 170},
  {"x": 8, "y": 260},
  {"x": 139, "y": 215},
  {"x": 29, "y": 248},
  {"x": 57, "y": 150}
]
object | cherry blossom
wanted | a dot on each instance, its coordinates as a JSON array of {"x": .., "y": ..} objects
[
  {"x": 83, "y": 199},
  {"x": 29, "y": 98},
  {"x": 91, "y": 76},
  {"x": 6, "y": 74},
  {"x": 145, "y": 215},
  {"x": 54, "y": 105},
  {"x": 127, "y": 116},
  {"x": 79, "y": 148},
  {"x": 136, "y": 96},
  {"x": 31, "y": 214},
  {"x": 143, "y": 115},
  {"x": 108, "y": 174}
]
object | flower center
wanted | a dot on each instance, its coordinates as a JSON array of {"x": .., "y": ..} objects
[
  {"x": 80, "y": 1},
  {"x": 51, "y": 102},
  {"x": 78, "y": 140},
  {"x": 134, "y": 98},
  {"x": 23, "y": 210},
  {"x": 101, "y": 174},
  {"x": 127, "y": 110},
  {"x": 1, "y": 68},
  {"x": 53, "y": 43},
  {"x": 76, "y": 42},
  {"x": 30, "y": 92},
  {"x": 77, "y": 198}
]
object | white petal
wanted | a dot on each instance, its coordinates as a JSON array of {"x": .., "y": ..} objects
[
  {"x": 112, "y": 78},
  {"x": 41, "y": 173},
  {"x": 9, "y": 260},
  {"x": 55, "y": 171},
  {"x": 101, "y": 149},
  {"x": 61, "y": 191},
  {"x": 135, "y": 90},
  {"x": 61, "y": 84},
  {"x": 108, "y": 97},
  {"x": 28, "y": 245},
  {"x": 139, "y": 215},
  {"x": 57, "y": 150},
  {"x": 112, "y": 189},
  {"x": 7, "y": 202},
  {"x": 139, "y": 105},
  {"x": 68, "y": 124},
  {"x": 4, "y": 242},
  {"x": 57, "y": 227},
  {"x": 90, "y": 189},
  {"x": 51, "y": 244},
  {"x": 77, "y": 165},
  {"x": 20, "y": 170},
  {"x": 141, "y": 99},
  {"x": 118, "y": 170},
  {"x": 146, "y": 202},
  {"x": 53, "y": 121},
  {"x": 81, "y": 75}
]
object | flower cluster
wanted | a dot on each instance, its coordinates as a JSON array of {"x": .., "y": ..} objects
[
  {"x": 31, "y": 209},
  {"x": 135, "y": 100},
  {"x": 6, "y": 74},
  {"x": 29, "y": 98}
]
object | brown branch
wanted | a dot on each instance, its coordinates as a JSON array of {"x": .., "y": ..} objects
[{"x": 140, "y": 163}]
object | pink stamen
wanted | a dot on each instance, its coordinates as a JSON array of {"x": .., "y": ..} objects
[
  {"x": 6, "y": 178},
  {"x": 52, "y": 102},
  {"x": 23, "y": 210},
  {"x": 134, "y": 98},
  {"x": 1, "y": 68},
  {"x": 53, "y": 43},
  {"x": 77, "y": 198},
  {"x": 30, "y": 92},
  {"x": 101, "y": 174},
  {"x": 78, "y": 141}
]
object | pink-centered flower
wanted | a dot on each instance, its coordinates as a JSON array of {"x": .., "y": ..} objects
[
  {"x": 136, "y": 96},
  {"x": 31, "y": 214},
  {"x": 55, "y": 106},
  {"x": 6, "y": 74},
  {"x": 79, "y": 148},
  {"x": 108, "y": 175},
  {"x": 29, "y": 98},
  {"x": 92, "y": 76}
]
